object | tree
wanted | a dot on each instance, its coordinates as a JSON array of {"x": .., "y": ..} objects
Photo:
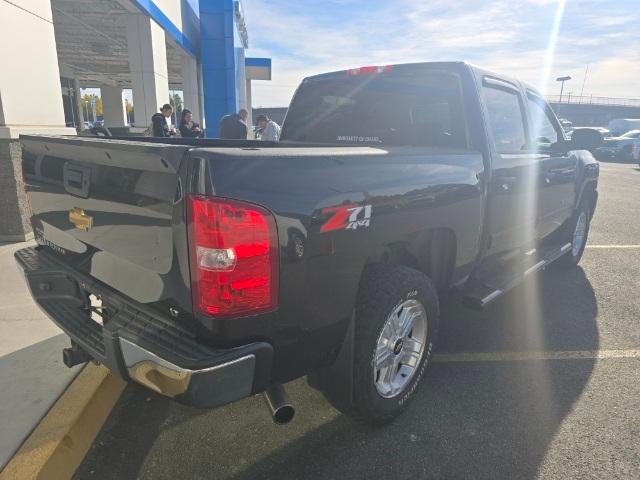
[
  {"x": 87, "y": 108},
  {"x": 176, "y": 101},
  {"x": 129, "y": 109}
]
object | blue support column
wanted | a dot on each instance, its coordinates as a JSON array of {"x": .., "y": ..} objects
[{"x": 217, "y": 53}]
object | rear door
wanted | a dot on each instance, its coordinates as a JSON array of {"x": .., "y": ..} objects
[
  {"x": 512, "y": 197},
  {"x": 557, "y": 168}
]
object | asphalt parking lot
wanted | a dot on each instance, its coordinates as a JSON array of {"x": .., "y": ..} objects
[{"x": 551, "y": 389}]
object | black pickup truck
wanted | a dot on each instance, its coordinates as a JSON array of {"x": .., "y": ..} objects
[{"x": 212, "y": 270}]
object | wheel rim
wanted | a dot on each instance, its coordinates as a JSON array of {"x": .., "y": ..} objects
[
  {"x": 400, "y": 348},
  {"x": 579, "y": 234}
]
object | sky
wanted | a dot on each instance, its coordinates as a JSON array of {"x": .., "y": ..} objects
[{"x": 513, "y": 37}]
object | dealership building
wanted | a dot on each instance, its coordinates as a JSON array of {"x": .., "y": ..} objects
[{"x": 50, "y": 49}]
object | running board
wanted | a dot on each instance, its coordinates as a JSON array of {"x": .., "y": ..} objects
[{"x": 482, "y": 294}]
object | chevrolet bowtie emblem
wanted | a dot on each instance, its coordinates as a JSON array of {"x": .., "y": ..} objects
[{"x": 80, "y": 219}]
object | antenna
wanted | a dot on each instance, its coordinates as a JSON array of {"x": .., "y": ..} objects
[{"x": 584, "y": 80}]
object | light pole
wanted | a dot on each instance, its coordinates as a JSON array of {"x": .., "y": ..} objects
[{"x": 562, "y": 80}]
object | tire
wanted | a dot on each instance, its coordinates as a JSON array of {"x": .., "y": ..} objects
[
  {"x": 398, "y": 292},
  {"x": 573, "y": 256}
]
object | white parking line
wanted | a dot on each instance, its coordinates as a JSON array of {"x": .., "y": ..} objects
[
  {"x": 613, "y": 246},
  {"x": 533, "y": 356}
]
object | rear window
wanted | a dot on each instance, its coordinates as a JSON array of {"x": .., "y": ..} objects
[{"x": 379, "y": 109}]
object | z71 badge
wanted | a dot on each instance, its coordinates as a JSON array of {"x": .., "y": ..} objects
[{"x": 346, "y": 217}]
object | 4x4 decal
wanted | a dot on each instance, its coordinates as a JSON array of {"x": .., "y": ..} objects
[{"x": 346, "y": 217}]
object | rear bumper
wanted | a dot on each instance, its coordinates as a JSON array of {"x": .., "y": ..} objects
[
  {"x": 211, "y": 386},
  {"x": 139, "y": 344}
]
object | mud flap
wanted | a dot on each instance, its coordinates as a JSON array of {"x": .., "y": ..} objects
[{"x": 336, "y": 381}]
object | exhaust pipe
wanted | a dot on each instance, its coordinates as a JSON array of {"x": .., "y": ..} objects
[{"x": 279, "y": 405}]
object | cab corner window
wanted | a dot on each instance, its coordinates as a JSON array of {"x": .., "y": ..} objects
[{"x": 506, "y": 119}]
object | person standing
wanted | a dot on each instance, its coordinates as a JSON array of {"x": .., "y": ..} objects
[
  {"x": 189, "y": 128},
  {"x": 234, "y": 126},
  {"x": 270, "y": 129},
  {"x": 159, "y": 125}
]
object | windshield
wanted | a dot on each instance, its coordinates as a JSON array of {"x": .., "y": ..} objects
[{"x": 379, "y": 109}]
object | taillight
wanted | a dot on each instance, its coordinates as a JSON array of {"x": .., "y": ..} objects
[
  {"x": 234, "y": 257},
  {"x": 369, "y": 70}
]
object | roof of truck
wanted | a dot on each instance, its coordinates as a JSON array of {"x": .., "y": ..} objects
[{"x": 453, "y": 65}]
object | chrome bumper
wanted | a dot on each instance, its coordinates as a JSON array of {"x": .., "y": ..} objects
[{"x": 222, "y": 383}]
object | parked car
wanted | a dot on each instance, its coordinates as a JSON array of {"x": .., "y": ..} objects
[
  {"x": 211, "y": 270},
  {"x": 594, "y": 134},
  {"x": 620, "y": 126},
  {"x": 618, "y": 147},
  {"x": 602, "y": 130}
]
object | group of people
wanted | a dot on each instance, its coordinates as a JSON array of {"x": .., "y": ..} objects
[
  {"x": 187, "y": 127},
  {"x": 233, "y": 126}
]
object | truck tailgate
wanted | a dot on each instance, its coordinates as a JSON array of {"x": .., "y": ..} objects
[{"x": 108, "y": 209}]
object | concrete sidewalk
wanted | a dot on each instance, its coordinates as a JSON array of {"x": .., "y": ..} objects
[{"x": 32, "y": 375}]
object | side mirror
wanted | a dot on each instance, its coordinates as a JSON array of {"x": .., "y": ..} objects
[{"x": 586, "y": 139}]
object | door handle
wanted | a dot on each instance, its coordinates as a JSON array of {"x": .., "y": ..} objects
[
  {"x": 506, "y": 182},
  {"x": 555, "y": 174}
]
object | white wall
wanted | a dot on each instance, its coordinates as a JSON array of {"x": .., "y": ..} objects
[
  {"x": 30, "y": 93},
  {"x": 148, "y": 65},
  {"x": 113, "y": 106},
  {"x": 172, "y": 9},
  {"x": 179, "y": 13}
]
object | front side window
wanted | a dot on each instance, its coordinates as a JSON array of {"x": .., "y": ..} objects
[
  {"x": 543, "y": 131},
  {"x": 505, "y": 119}
]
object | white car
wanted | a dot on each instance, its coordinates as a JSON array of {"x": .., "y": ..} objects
[{"x": 620, "y": 126}]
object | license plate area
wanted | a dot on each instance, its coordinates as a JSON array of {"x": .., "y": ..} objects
[
  {"x": 99, "y": 309},
  {"x": 96, "y": 309}
]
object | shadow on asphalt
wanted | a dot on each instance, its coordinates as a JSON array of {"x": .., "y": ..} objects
[{"x": 469, "y": 420}]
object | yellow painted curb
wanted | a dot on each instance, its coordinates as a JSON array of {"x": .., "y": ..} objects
[{"x": 57, "y": 446}]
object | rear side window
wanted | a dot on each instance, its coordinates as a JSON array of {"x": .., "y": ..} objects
[
  {"x": 543, "y": 131},
  {"x": 390, "y": 108},
  {"x": 506, "y": 119}
]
